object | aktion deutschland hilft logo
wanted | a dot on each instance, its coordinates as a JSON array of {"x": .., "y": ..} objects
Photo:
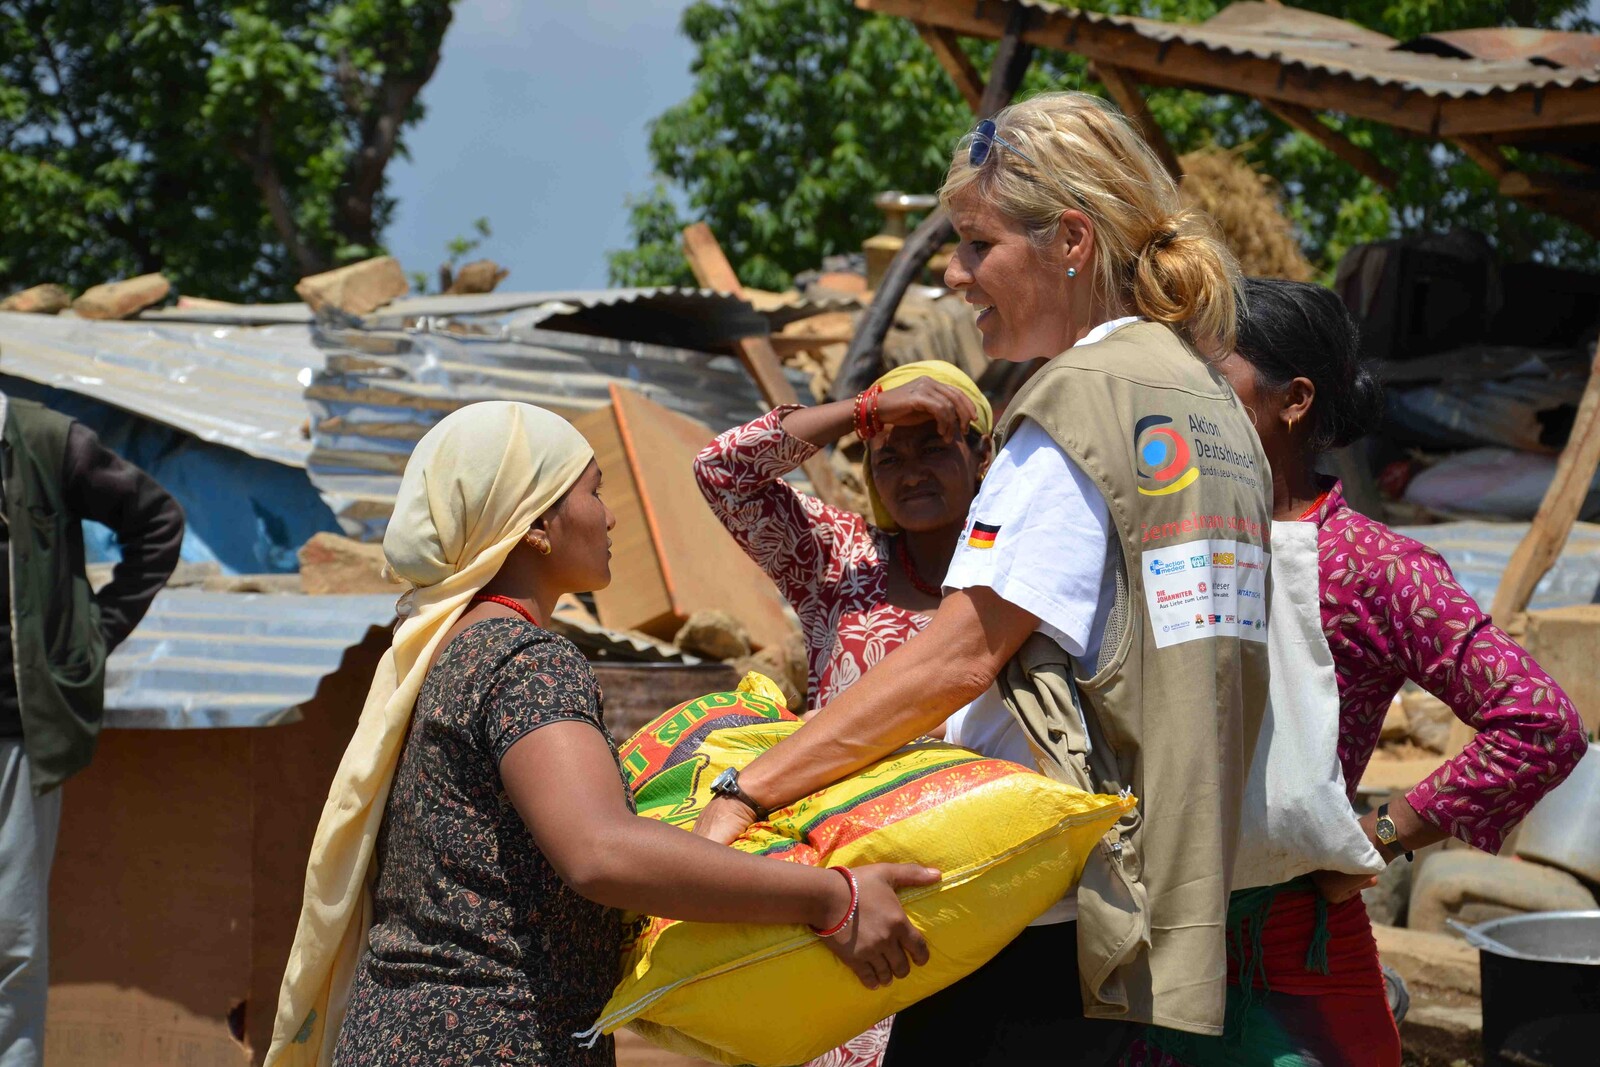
[{"x": 1163, "y": 457}]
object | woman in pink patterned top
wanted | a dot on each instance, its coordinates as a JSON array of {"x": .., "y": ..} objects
[
  {"x": 1391, "y": 611},
  {"x": 861, "y": 589}
]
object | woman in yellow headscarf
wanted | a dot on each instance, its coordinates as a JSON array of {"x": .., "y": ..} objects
[
  {"x": 861, "y": 588},
  {"x": 461, "y": 896}
]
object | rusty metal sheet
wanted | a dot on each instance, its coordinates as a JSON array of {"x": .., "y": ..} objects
[{"x": 1318, "y": 43}]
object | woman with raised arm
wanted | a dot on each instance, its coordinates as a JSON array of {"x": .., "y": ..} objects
[
  {"x": 464, "y": 890},
  {"x": 861, "y": 588},
  {"x": 1084, "y": 627}
]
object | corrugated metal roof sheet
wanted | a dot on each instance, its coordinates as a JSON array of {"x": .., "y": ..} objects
[
  {"x": 201, "y": 660},
  {"x": 381, "y": 391},
  {"x": 1328, "y": 45},
  {"x": 204, "y": 660},
  {"x": 702, "y": 312},
  {"x": 232, "y": 385},
  {"x": 1479, "y": 552}
]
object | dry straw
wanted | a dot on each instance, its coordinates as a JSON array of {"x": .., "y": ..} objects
[{"x": 1249, "y": 210}]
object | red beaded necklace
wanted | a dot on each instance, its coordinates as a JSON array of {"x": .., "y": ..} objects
[
  {"x": 902, "y": 550},
  {"x": 505, "y": 602}
]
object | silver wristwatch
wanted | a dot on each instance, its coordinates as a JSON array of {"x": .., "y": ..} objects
[{"x": 726, "y": 784}]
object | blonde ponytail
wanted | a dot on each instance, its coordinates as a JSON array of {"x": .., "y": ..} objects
[
  {"x": 1185, "y": 276},
  {"x": 1153, "y": 255}
]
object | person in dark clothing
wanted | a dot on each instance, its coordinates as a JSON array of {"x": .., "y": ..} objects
[{"x": 55, "y": 634}]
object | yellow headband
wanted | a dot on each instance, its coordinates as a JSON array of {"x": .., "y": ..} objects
[{"x": 946, "y": 374}]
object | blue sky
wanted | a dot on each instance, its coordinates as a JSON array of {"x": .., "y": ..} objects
[{"x": 536, "y": 120}]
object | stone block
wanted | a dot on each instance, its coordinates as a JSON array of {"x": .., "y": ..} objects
[
  {"x": 714, "y": 634},
  {"x": 1395, "y": 726},
  {"x": 1566, "y": 643},
  {"x": 785, "y": 663},
  {"x": 330, "y": 563},
  {"x": 1437, "y": 961},
  {"x": 479, "y": 276},
  {"x": 358, "y": 288},
  {"x": 1476, "y": 887},
  {"x": 1388, "y": 900},
  {"x": 1428, "y": 720},
  {"x": 124, "y": 299},
  {"x": 47, "y": 299}
]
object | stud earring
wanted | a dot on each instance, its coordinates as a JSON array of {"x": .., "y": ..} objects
[{"x": 1072, "y": 272}]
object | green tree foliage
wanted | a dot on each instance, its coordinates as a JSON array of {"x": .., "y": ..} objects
[
  {"x": 802, "y": 110},
  {"x": 234, "y": 146}
]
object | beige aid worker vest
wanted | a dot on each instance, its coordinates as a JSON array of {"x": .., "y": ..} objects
[{"x": 1172, "y": 708}]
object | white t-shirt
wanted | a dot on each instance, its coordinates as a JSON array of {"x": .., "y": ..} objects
[{"x": 1037, "y": 535}]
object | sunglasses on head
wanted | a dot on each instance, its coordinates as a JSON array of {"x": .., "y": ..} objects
[{"x": 982, "y": 140}]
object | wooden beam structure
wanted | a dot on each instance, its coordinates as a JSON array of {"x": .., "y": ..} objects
[
  {"x": 1124, "y": 90},
  {"x": 1174, "y": 61},
  {"x": 1289, "y": 88},
  {"x": 1552, "y": 524},
  {"x": 1486, "y": 154},
  {"x": 862, "y": 361},
  {"x": 713, "y": 271},
  {"x": 1306, "y": 121},
  {"x": 946, "y": 48}
]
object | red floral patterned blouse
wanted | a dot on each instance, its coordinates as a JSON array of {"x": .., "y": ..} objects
[
  {"x": 831, "y": 564},
  {"x": 1392, "y": 610}
]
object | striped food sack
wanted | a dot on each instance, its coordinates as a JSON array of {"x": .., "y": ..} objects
[{"x": 1010, "y": 843}]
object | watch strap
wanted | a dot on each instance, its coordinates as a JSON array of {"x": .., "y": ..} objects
[
  {"x": 1393, "y": 840},
  {"x": 727, "y": 784}
]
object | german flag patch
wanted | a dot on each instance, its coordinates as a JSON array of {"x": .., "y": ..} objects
[{"x": 982, "y": 535}]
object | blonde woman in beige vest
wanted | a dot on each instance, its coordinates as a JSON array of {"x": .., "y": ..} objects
[{"x": 1103, "y": 617}]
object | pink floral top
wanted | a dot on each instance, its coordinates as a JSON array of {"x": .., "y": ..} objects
[
  {"x": 829, "y": 563},
  {"x": 1392, "y": 610}
]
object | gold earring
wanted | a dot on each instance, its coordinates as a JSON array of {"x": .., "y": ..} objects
[{"x": 538, "y": 544}]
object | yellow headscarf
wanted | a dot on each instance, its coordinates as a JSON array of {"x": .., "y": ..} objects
[
  {"x": 947, "y": 374},
  {"x": 472, "y": 488}
]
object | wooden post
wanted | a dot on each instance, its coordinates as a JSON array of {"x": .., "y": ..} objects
[
  {"x": 1124, "y": 90},
  {"x": 862, "y": 361},
  {"x": 1547, "y": 535},
  {"x": 1305, "y": 120},
  {"x": 946, "y": 48},
  {"x": 713, "y": 271},
  {"x": 1552, "y": 524}
]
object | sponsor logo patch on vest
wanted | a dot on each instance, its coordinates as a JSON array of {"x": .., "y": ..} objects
[
  {"x": 1165, "y": 459},
  {"x": 982, "y": 535},
  {"x": 1202, "y": 589}
]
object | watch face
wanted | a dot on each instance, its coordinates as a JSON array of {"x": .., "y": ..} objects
[
  {"x": 1385, "y": 828},
  {"x": 724, "y": 782}
]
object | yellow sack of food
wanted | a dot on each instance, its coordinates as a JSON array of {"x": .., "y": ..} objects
[{"x": 1009, "y": 841}]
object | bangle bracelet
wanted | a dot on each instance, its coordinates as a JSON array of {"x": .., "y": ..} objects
[
  {"x": 861, "y": 426},
  {"x": 855, "y": 900}
]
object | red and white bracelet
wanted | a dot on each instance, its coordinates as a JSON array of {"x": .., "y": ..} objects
[{"x": 855, "y": 900}]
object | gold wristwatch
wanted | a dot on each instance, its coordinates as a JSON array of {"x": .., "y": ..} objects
[{"x": 1387, "y": 834}]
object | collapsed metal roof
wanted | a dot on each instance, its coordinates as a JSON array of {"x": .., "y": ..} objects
[
  {"x": 380, "y": 391},
  {"x": 229, "y": 385},
  {"x": 205, "y": 660}
]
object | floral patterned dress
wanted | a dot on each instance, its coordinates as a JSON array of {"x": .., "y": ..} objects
[
  {"x": 479, "y": 954},
  {"x": 1391, "y": 611},
  {"x": 831, "y": 565}
]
